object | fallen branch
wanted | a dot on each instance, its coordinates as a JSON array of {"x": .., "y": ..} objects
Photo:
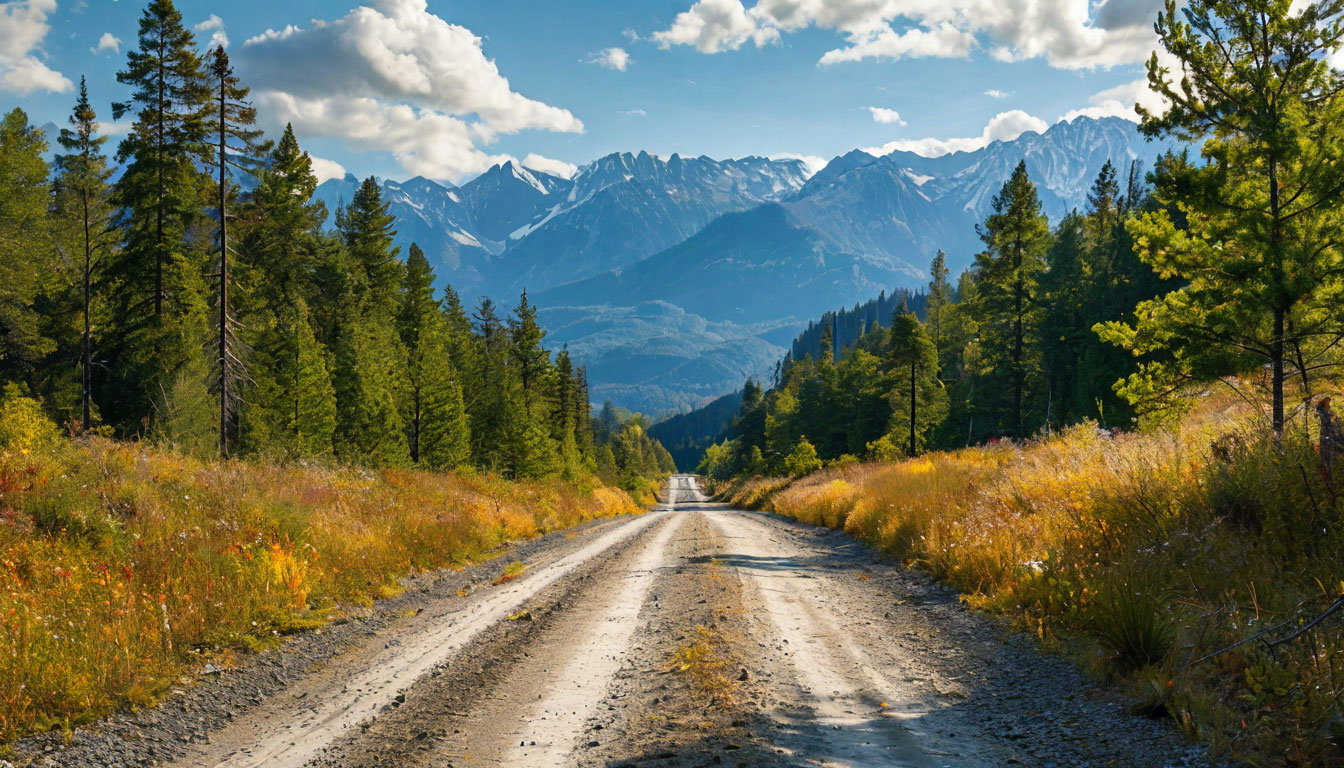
[{"x": 1269, "y": 644}]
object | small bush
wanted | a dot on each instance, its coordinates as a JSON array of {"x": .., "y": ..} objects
[
  {"x": 1130, "y": 620},
  {"x": 802, "y": 460},
  {"x": 23, "y": 424}
]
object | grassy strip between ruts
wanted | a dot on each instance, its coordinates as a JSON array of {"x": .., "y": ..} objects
[
  {"x": 1138, "y": 553},
  {"x": 122, "y": 564}
]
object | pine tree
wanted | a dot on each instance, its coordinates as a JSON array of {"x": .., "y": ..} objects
[
  {"x": 367, "y": 229},
  {"x": 418, "y": 313},
  {"x": 583, "y": 410},
  {"x": 292, "y": 408},
  {"x": 370, "y": 360},
  {"x": 918, "y": 399},
  {"x": 158, "y": 281},
  {"x": 445, "y": 440},
  {"x": 488, "y": 394},
  {"x": 937, "y": 305},
  {"x": 533, "y": 450},
  {"x": 1064, "y": 295},
  {"x": 26, "y": 246},
  {"x": 289, "y": 405},
  {"x": 82, "y": 205},
  {"x": 369, "y": 428},
  {"x": 1259, "y": 260},
  {"x": 238, "y": 149},
  {"x": 532, "y": 360},
  {"x": 282, "y": 240},
  {"x": 1016, "y": 236},
  {"x": 432, "y": 407}
]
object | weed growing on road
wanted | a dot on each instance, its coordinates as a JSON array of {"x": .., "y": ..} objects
[
  {"x": 706, "y": 662},
  {"x": 1142, "y": 553}
]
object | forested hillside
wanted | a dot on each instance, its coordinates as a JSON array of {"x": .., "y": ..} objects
[
  {"x": 182, "y": 287},
  {"x": 1008, "y": 351}
]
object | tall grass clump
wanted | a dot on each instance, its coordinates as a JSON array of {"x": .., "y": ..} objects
[
  {"x": 1151, "y": 557},
  {"x": 122, "y": 564}
]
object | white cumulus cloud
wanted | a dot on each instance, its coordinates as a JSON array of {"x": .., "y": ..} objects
[
  {"x": 611, "y": 58},
  {"x": 325, "y": 169},
  {"x": 391, "y": 76},
  {"x": 1004, "y": 126},
  {"x": 884, "y": 115},
  {"x": 23, "y": 27},
  {"x": 215, "y": 26},
  {"x": 1069, "y": 34},
  {"x": 716, "y": 25},
  {"x": 108, "y": 42},
  {"x": 634, "y": 113},
  {"x": 995, "y": 93},
  {"x": 1119, "y": 102}
]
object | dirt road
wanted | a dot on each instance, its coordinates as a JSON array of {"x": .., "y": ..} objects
[{"x": 691, "y": 635}]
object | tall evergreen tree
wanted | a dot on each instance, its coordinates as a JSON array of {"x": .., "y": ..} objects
[
  {"x": 1064, "y": 327},
  {"x": 26, "y": 246},
  {"x": 158, "y": 275},
  {"x": 1016, "y": 236},
  {"x": 1259, "y": 258},
  {"x": 532, "y": 360},
  {"x": 369, "y": 357},
  {"x": 918, "y": 399},
  {"x": 281, "y": 243},
  {"x": 432, "y": 407},
  {"x": 366, "y": 227},
  {"x": 487, "y": 397},
  {"x": 940, "y": 299},
  {"x": 291, "y": 409},
  {"x": 82, "y": 205},
  {"x": 238, "y": 148},
  {"x": 288, "y": 402}
]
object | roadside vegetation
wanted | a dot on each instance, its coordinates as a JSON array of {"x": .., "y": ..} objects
[
  {"x": 123, "y": 565},
  {"x": 1153, "y": 558}
]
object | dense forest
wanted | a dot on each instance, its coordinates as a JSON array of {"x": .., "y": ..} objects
[
  {"x": 183, "y": 288},
  {"x": 847, "y": 326}
]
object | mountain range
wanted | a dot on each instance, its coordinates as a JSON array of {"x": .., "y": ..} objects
[{"x": 675, "y": 279}]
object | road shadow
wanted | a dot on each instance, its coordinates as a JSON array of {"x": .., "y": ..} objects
[{"x": 792, "y": 739}]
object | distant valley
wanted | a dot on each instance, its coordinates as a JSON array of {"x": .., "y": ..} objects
[{"x": 674, "y": 279}]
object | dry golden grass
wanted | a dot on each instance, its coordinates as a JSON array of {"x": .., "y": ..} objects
[
  {"x": 1138, "y": 553},
  {"x": 706, "y": 662},
  {"x": 122, "y": 564}
]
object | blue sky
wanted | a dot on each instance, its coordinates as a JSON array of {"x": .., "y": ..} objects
[{"x": 443, "y": 89}]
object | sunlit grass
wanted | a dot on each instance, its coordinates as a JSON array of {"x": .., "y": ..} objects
[
  {"x": 1138, "y": 553},
  {"x": 121, "y": 565}
]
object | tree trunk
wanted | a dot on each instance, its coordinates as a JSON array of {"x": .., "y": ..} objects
[
  {"x": 223, "y": 277},
  {"x": 86, "y": 356},
  {"x": 912, "y": 405},
  {"x": 158, "y": 207},
  {"x": 1017, "y": 356},
  {"x": 1276, "y": 367}
]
